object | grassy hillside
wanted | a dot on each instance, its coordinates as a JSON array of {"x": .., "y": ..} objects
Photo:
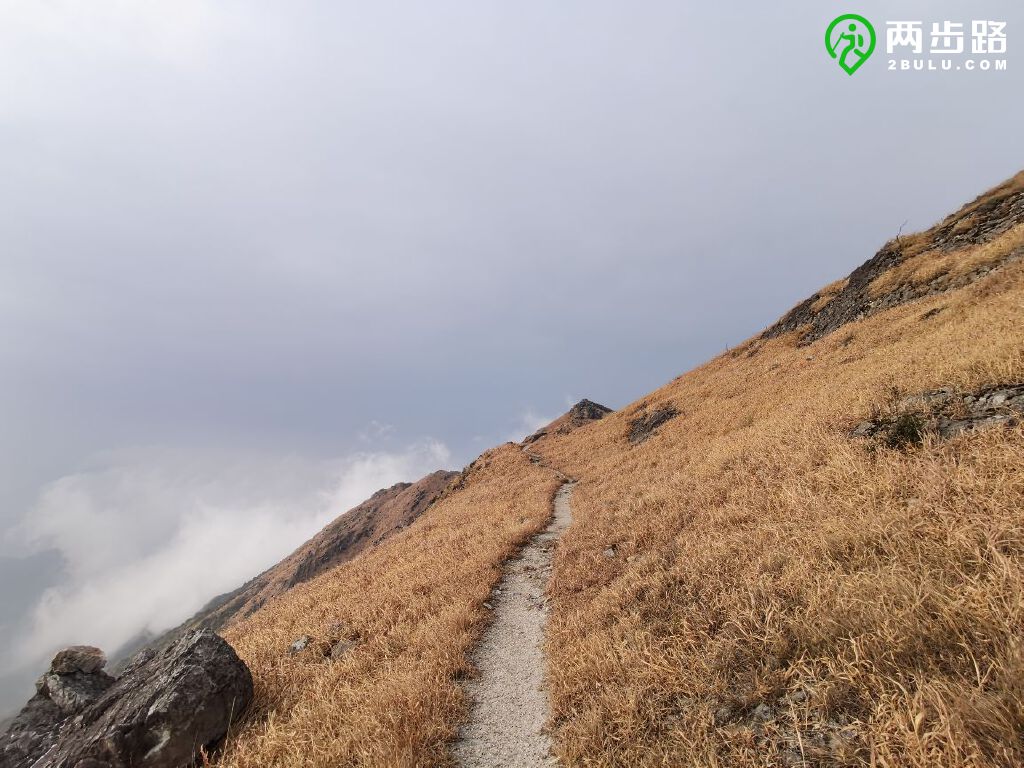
[
  {"x": 364, "y": 526},
  {"x": 781, "y": 591},
  {"x": 405, "y": 615},
  {"x": 784, "y": 557}
]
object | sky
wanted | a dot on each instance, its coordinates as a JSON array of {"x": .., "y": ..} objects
[{"x": 259, "y": 259}]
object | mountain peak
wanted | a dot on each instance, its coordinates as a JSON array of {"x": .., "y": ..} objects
[{"x": 584, "y": 412}]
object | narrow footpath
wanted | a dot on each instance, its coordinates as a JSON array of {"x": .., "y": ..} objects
[{"x": 509, "y": 699}]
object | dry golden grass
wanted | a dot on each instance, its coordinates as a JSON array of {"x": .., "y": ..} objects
[
  {"x": 869, "y": 599},
  {"x": 415, "y": 605}
]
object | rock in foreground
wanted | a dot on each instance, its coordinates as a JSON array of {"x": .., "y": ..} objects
[
  {"x": 157, "y": 714},
  {"x": 75, "y": 680}
]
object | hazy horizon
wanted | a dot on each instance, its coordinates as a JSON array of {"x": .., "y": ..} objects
[{"x": 261, "y": 260}]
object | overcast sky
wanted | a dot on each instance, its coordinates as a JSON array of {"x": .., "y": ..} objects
[{"x": 259, "y": 259}]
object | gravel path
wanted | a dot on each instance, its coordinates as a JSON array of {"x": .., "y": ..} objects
[{"x": 509, "y": 703}]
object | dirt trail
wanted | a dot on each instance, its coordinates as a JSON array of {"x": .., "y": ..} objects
[{"x": 509, "y": 702}]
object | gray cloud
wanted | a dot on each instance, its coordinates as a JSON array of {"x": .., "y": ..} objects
[{"x": 257, "y": 229}]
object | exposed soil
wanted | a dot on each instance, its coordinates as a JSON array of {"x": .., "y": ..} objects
[{"x": 509, "y": 703}]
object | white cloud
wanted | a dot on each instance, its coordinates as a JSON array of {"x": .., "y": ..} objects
[{"x": 149, "y": 539}]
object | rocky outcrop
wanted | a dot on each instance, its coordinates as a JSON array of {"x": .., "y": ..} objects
[
  {"x": 158, "y": 714},
  {"x": 581, "y": 414},
  {"x": 162, "y": 709},
  {"x": 74, "y": 680},
  {"x": 647, "y": 422},
  {"x": 987, "y": 218},
  {"x": 946, "y": 413}
]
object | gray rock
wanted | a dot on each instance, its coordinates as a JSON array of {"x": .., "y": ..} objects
[
  {"x": 75, "y": 680},
  {"x": 947, "y": 414},
  {"x": 724, "y": 715},
  {"x": 31, "y": 733},
  {"x": 864, "y": 429},
  {"x": 300, "y": 645},
  {"x": 586, "y": 411},
  {"x": 78, "y": 658},
  {"x": 161, "y": 711},
  {"x": 74, "y": 692}
]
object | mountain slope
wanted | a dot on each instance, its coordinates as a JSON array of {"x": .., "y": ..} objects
[
  {"x": 784, "y": 591},
  {"x": 787, "y": 556},
  {"x": 388, "y": 511}
]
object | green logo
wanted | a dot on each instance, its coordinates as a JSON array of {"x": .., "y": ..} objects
[{"x": 850, "y": 39}]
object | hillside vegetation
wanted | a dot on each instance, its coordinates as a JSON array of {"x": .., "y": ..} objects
[
  {"x": 378, "y": 683},
  {"x": 778, "y": 558},
  {"x": 368, "y": 524}
]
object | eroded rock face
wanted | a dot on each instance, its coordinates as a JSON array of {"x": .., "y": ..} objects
[
  {"x": 975, "y": 224},
  {"x": 31, "y": 733},
  {"x": 156, "y": 715}
]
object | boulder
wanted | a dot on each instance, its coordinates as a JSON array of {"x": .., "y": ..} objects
[
  {"x": 158, "y": 714},
  {"x": 75, "y": 680},
  {"x": 78, "y": 658}
]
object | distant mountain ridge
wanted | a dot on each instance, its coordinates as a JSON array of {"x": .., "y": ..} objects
[{"x": 387, "y": 511}]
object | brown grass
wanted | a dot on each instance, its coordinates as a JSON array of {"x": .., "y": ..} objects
[
  {"x": 782, "y": 594},
  {"x": 415, "y": 606}
]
